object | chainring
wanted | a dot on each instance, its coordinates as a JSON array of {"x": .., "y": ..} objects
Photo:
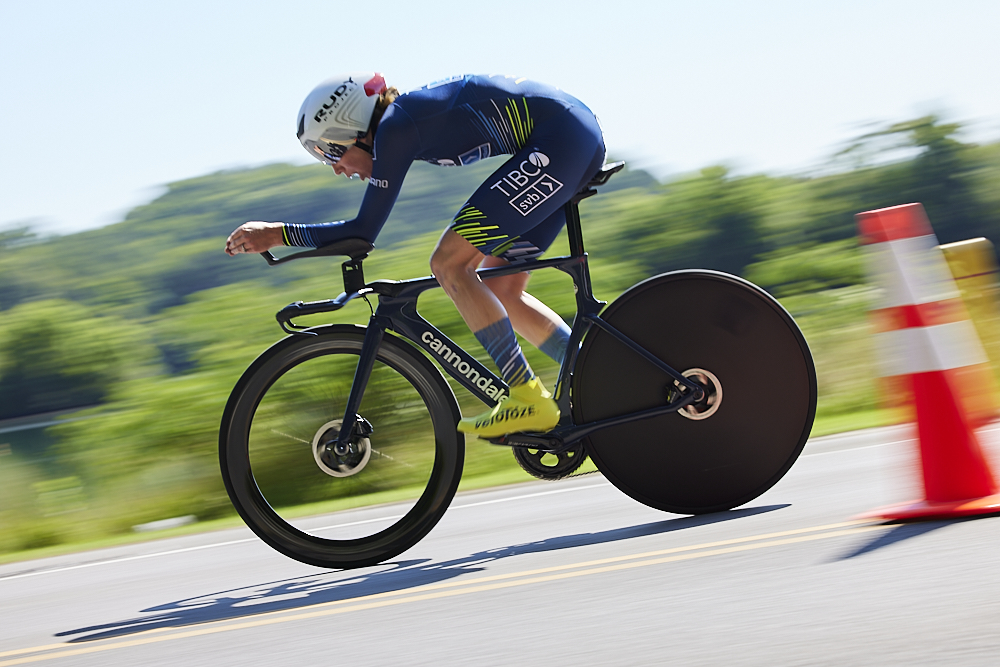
[{"x": 544, "y": 465}]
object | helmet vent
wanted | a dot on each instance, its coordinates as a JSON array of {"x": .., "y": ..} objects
[{"x": 302, "y": 127}]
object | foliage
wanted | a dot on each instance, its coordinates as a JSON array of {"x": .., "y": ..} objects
[
  {"x": 17, "y": 236},
  {"x": 809, "y": 267},
  {"x": 55, "y": 355},
  {"x": 939, "y": 171}
]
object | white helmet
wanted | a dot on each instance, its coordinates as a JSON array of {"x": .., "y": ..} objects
[{"x": 337, "y": 113}]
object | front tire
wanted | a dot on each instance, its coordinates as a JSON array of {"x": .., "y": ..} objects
[{"x": 291, "y": 400}]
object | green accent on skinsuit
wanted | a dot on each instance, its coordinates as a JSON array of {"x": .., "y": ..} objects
[
  {"x": 470, "y": 213},
  {"x": 474, "y": 232},
  {"x": 504, "y": 247},
  {"x": 522, "y": 127}
]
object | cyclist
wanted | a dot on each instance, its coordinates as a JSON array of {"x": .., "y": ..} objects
[{"x": 363, "y": 128}]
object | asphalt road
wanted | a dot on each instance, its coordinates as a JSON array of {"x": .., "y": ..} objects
[{"x": 566, "y": 573}]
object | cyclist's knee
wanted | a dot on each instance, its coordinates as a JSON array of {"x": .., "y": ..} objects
[
  {"x": 454, "y": 258},
  {"x": 439, "y": 263}
]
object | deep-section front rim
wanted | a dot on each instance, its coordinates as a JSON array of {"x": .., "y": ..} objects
[
  {"x": 278, "y": 532},
  {"x": 709, "y": 321}
]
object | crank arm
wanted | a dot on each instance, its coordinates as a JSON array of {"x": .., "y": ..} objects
[{"x": 550, "y": 442}]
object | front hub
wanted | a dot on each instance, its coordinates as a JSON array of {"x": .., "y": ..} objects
[{"x": 338, "y": 460}]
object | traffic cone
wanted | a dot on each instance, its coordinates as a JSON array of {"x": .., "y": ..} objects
[
  {"x": 926, "y": 342},
  {"x": 973, "y": 265}
]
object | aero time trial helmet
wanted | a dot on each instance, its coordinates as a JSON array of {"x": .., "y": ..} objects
[{"x": 337, "y": 113}]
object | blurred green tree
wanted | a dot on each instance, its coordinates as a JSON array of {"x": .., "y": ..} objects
[
  {"x": 918, "y": 160},
  {"x": 939, "y": 177},
  {"x": 707, "y": 220},
  {"x": 55, "y": 355}
]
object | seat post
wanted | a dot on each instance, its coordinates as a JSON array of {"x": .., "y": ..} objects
[{"x": 573, "y": 227}]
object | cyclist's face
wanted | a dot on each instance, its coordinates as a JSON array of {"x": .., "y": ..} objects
[{"x": 354, "y": 161}]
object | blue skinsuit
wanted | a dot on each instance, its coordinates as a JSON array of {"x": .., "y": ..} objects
[{"x": 554, "y": 140}]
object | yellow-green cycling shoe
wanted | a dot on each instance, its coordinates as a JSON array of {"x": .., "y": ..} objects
[{"x": 529, "y": 408}]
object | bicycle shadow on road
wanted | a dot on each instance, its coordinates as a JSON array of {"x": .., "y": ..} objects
[{"x": 340, "y": 585}]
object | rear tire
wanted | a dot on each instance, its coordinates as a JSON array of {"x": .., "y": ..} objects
[
  {"x": 280, "y": 479},
  {"x": 726, "y": 451}
]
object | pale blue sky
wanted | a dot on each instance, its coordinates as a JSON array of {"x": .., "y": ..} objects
[{"x": 103, "y": 101}]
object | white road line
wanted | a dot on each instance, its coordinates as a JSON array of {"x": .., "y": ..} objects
[
  {"x": 530, "y": 495},
  {"x": 124, "y": 559},
  {"x": 854, "y": 449}
]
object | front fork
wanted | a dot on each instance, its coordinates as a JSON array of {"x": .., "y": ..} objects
[{"x": 366, "y": 362}]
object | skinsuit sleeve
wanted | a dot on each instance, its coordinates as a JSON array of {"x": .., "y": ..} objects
[{"x": 397, "y": 142}]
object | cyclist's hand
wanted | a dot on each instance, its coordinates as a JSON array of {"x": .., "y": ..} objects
[{"x": 255, "y": 236}]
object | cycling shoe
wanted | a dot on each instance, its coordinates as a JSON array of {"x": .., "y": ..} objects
[{"x": 529, "y": 408}]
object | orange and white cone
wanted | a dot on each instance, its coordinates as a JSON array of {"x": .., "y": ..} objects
[{"x": 926, "y": 343}]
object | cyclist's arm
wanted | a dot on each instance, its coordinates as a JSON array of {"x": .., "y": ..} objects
[{"x": 396, "y": 144}]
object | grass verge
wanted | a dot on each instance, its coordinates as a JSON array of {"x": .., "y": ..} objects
[{"x": 504, "y": 477}]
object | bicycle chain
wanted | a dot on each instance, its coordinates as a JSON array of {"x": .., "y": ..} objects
[
  {"x": 569, "y": 476},
  {"x": 580, "y": 474}
]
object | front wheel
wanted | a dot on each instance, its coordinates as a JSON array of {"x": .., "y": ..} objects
[
  {"x": 286, "y": 478},
  {"x": 760, "y": 392}
]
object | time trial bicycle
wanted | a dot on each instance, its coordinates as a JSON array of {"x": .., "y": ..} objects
[{"x": 693, "y": 392}]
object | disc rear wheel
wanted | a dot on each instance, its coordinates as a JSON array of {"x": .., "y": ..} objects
[{"x": 759, "y": 392}]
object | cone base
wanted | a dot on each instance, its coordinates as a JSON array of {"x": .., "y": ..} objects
[{"x": 925, "y": 509}]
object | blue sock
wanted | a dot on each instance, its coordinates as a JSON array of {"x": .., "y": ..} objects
[
  {"x": 501, "y": 344},
  {"x": 555, "y": 345}
]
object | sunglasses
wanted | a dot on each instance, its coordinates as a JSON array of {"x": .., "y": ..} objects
[
  {"x": 332, "y": 155},
  {"x": 336, "y": 151}
]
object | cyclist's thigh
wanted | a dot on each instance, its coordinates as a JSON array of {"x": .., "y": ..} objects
[{"x": 516, "y": 213}]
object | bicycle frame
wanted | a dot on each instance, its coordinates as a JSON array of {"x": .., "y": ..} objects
[{"x": 397, "y": 312}]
